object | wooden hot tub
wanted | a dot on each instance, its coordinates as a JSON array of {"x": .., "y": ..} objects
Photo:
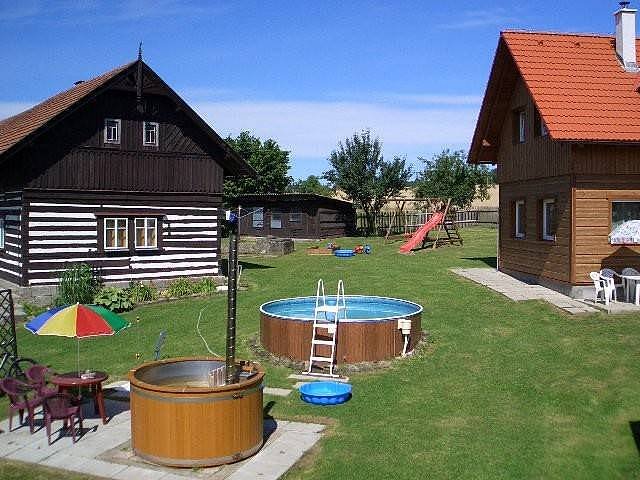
[
  {"x": 369, "y": 333},
  {"x": 177, "y": 419}
]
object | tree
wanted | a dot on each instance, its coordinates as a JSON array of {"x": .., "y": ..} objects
[
  {"x": 270, "y": 162},
  {"x": 360, "y": 171},
  {"x": 311, "y": 184},
  {"x": 448, "y": 175}
]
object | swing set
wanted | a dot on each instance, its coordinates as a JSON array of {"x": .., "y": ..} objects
[{"x": 440, "y": 219}]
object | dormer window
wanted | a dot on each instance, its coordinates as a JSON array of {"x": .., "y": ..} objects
[
  {"x": 150, "y": 134},
  {"x": 112, "y": 130}
]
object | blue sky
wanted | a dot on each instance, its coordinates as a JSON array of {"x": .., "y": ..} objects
[{"x": 307, "y": 74}]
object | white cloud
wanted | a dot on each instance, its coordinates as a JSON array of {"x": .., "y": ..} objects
[
  {"x": 313, "y": 128},
  {"x": 101, "y": 11},
  {"x": 480, "y": 18},
  {"x": 8, "y": 109}
]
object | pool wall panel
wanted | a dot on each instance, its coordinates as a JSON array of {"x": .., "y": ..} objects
[{"x": 356, "y": 341}]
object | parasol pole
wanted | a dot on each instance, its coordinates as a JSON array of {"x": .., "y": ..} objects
[{"x": 231, "y": 297}]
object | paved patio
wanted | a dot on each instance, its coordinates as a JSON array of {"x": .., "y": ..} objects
[
  {"x": 518, "y": 291},
  {"x": 104, "y": 450}
]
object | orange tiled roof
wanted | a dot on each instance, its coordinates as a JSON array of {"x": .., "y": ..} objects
[
  {"x": 16, "y": 128},
  {"x": 578, "y": 85}
]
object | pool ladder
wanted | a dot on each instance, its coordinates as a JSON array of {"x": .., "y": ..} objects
[{"x": 325, "y": 317}]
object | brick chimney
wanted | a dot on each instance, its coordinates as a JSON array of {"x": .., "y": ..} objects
[{"x": 626, "y": 36}]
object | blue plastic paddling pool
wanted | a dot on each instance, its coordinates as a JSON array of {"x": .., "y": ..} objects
[{"x": 325, "y": 393}]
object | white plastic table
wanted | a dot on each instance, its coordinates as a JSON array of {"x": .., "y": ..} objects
[{"x": 628, "y": 279}]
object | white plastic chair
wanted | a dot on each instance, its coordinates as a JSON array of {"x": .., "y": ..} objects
[
  {"x": 601, "y": 285},
  {"x": 609, "y": 275}
]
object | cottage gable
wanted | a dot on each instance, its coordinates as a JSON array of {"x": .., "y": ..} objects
[{"x": 62, "y": 143}]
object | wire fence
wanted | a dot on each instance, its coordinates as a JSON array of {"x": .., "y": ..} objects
[{"x": 408, "y": 222}]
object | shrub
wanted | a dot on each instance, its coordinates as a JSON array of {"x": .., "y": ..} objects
[
  {"x": 116, "y": 299},
  {"x": 205, "y": 286},
  {"x": 139, "y": 292},
  {"x": 78, "y": 284},
  {"x": 33, "y": 310},
  {"x": 181, "y": 287}
]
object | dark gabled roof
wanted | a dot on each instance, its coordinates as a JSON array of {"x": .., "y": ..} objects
[
  {"x": 289, "y": 197},
  {"x": 15, "y": 129},
  {"x": 18, "y": 130},
  {"x": 576, "y": 81}
]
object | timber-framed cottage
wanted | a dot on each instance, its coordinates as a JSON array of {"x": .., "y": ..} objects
[
  {"x": 561, "y": 121},
  {"x": 117, "y": 172}
]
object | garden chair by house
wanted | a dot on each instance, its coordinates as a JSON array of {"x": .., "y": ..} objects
[
  {"x": 609, "y": 276},
  {"x": 20, "y": 399},
  {"x": 37, "y": 377},
  {"x": 60, "y": 407},
  {"x": 630, "y": 285},
  {"x": 602, "y": 286}
]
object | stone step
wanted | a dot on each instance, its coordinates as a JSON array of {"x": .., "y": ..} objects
[
  {"x": 318, "y": 378},
  {"x": 278, "y": 392}
]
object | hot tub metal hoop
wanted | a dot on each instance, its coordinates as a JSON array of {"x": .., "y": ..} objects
[{"x": 155, "y": 396}]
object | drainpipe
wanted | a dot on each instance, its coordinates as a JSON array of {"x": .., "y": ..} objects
[{"x": 233, "y": 221}]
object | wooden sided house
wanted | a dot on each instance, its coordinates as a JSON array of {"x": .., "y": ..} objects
[
  {"x": 561, "y": 120},
  {"x": 118, "y": 172},
  {"x": 296, "y": 215}
]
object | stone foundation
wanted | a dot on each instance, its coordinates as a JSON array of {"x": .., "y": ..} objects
[{"x": 266, "y": 246}]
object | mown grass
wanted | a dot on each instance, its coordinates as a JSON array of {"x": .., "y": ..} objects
[{"x": 501, "y": 390}]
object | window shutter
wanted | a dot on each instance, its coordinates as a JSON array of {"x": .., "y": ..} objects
[
  {"x": 555, "y": 222},
  {"x": 540, "y": 219}
]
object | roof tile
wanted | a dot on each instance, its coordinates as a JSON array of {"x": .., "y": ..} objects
[
  {"x": 16, "y": 128},
  {"x": 578, "y": 85}
]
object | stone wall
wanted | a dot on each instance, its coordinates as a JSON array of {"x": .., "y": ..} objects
[{"x": 265, "y": 246}]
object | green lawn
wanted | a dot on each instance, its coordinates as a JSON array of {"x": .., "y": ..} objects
[{"x": 502, "y": 390}]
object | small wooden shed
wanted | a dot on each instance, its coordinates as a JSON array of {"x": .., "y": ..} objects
[{"x": 296, "y": 215}]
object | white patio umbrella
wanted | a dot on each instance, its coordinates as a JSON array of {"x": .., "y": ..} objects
[{"x": 626, "y": 233}]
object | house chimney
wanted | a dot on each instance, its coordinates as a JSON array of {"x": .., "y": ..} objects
[{"x": 626, "y": 36}]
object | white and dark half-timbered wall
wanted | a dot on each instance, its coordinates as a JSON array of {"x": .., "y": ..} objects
[
  {"x": 66, "y": 229},
  {"x": 11, "y": 261}
]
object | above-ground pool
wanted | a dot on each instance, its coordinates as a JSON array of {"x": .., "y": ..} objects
[{"x": 368, "y": 333}]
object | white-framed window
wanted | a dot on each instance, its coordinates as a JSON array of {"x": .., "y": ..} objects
[
  {"x": 520, "y": 219},
  {"x": 112, "y": 130},
  {"x": 257, "y": 217},
  {"x": 548, "y": 219},
  {"x": 295, "y": 217},
  {"x": 146, "y": 232},
  {"x": 116, "y": 233},
  {"x": 276, "y": 219},
  {"x": 624, "y": 211},
  {"x": 150, "y": 132},
  {"x": 2, "y": 228},
  {"x": 522, "y": 126}
]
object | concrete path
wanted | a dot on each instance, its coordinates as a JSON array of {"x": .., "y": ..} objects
[
  {"x": 518, "y": 290},
  {"x": 104, "y": 450}
]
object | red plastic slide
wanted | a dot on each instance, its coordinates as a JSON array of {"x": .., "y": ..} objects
[{"x": 419, "y": 235}]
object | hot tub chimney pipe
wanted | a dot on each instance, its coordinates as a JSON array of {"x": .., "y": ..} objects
[{"x": 231, "y": 297}]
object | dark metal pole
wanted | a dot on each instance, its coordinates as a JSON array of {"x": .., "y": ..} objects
[{"x": 231, "y": 298}]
